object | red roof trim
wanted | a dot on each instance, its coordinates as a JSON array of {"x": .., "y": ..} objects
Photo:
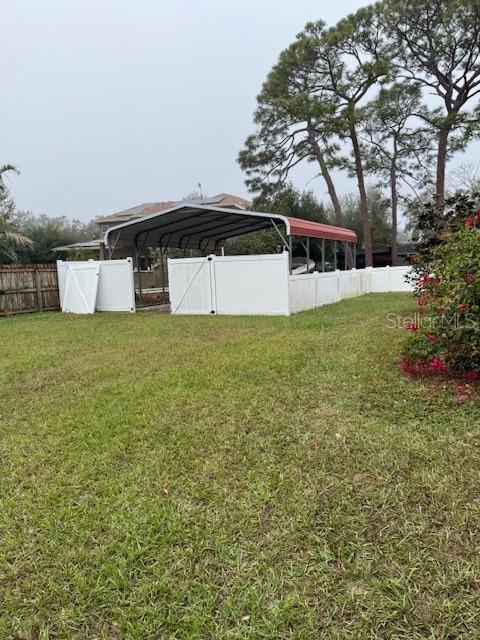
[{"x": 308, "y": 229}]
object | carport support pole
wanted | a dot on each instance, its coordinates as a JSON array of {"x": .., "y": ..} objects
[
  {"x": 323, "y": 255},
  {"x": 334, "y": 255},
  {"x": 139, "y": 271},
  {"x": 308, "y": 252},
  {"x": 290, "y": 254},
  {"x": 345, "y": 251},
  {"x": 163, "y": 252}
]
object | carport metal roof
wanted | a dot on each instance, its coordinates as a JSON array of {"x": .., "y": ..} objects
[{"x": 195, "y": 226}]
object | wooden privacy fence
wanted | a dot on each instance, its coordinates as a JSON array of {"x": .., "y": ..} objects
[{"x": 28, "y": 288}]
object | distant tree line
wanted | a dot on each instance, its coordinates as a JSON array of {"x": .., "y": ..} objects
[{"x": 353, "y": 97}]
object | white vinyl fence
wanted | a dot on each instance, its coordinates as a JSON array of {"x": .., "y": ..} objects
[
  {"x": 233, "y": 285},
  {"x": 96, "y": 285},
  {"x": 316, "y": 289},
  {"x": 261, "y": 285}
]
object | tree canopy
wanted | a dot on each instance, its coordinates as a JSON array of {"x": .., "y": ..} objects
[
  {"x": 47, "y": 233},
  {"x": 437, "y": 44},
  {"x": 358, "y": 97},
  {"x": 295, "y": 119}
]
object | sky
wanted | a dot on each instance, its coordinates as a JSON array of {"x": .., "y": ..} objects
[{"x": 106, "y": 104}]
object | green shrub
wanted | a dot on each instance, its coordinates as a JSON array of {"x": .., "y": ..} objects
[{"x": 446, "y": 336}]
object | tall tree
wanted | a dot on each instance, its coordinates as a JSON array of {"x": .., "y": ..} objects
[
  {"x": 295, "y": 119},
  {"x": 437, "y": 44},
  {"x": 353, "y": 59},
  {"x": 397, "y": 150}
]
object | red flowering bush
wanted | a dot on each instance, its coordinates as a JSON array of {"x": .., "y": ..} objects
[{"x": 446, "y": 337}]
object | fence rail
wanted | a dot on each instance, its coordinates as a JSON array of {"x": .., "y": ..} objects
[{"x": 28, "y": 288}]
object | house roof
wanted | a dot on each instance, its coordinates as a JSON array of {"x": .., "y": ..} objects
[
  {"x": 202, "y": 226},
  {"x": 140, "y": 211}
]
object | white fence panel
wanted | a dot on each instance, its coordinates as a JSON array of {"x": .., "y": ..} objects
[
  {"x": 385, "y": 279},
  {"x": 255, "y": 285},
  {"x": 113, "y": 291},
  {"x": 346, "y": 284},
  {"x": 327, "y": 288},
  {"x": 79, "y": 288},
  {"x": 235, "y": 285},
  {"x": 397, "y": 279},
  {"x": 303, "y": 292},
  {"x": 380, "y": 277},
  {"x": 363, "y": 281},
  {"x": 116, "y": 288},
  {"x": 334, "y": 286},
  {"x": 190, "y": 283}
]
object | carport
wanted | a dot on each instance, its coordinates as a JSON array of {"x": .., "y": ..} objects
[{"x": 205, "y": 229}]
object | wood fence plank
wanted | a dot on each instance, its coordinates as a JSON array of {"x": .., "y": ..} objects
[
  {"x": 38, "y": 286},
  {"x": 28, "y": 288}
]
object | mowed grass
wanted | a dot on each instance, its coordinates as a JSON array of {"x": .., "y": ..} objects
[{"x": 211, "y": 477}]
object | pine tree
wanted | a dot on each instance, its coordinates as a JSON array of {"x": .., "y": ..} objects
[
  {"x": 437, "y": 44},
  {"x": 396, "y": 150}
]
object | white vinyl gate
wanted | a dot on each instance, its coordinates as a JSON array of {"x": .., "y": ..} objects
[
  {"x": 78, "y": 286},
  {"x": 193, "y": 291},
  {"x": 230, "y": 285},
  {"x": 96, "y": 285}
]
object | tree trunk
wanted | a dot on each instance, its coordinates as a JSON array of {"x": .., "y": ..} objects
[
  {"x": 332, "y": 192},
  {"x": 367, "y": 233},
  {"x": 339, "y": 219},
  {"x": 441, "y": 163},
  {"x": 394, "y": 198}
]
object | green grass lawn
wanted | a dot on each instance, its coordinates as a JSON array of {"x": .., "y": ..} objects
[{"x": 211, "y": 477}]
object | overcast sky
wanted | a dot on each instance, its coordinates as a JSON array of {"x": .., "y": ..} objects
[{"x": 106, "y": 104}]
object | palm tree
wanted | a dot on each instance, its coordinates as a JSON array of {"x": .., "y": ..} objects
[
  {"x": 9, "y": 239},
  {"x": 4, "y": 169}
]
